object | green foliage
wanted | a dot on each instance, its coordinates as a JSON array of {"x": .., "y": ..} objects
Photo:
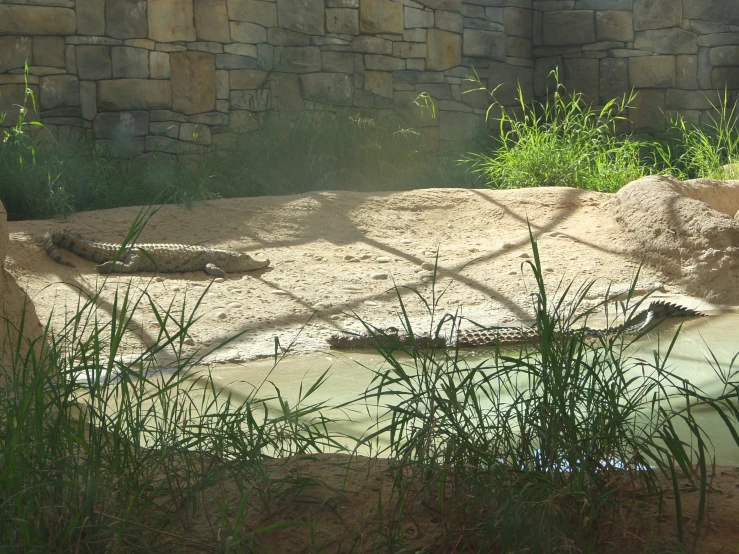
[
  {"x": 561, "y": 142},
  {"x": 559, "y": 447},
  {"x": 696, "y": 151}
]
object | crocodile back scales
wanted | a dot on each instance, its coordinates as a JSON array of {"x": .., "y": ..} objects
[
  {"x": 657, "y": 312},
  {"x": 165, "y": 257}
]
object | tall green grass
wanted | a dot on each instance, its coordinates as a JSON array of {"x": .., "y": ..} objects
[
  {"x": 562, "y": 446},
  {"x": 559, "y": 446},
  {"x": 560, "y": 142},
  {"x": 692, "y": 151}
]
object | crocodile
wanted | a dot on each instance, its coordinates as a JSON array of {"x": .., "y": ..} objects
[
  {"x": 163, "y": 258},
  {"x": 657, "y": 312}
]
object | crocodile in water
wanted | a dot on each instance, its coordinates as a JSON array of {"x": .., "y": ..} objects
[
  {"x": 657, "y": 312},
  {"x": 163, "y": 258}
]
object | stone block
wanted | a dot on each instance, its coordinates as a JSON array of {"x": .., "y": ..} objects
[
  {"x": 657, "y": 14},
  {"x": 286, "y": 95},
  {"x": 482, "y": 24},
  {"x": 88, "y": 100},
  {"x": 725, "y": 77},
  {"x": 303, "y": 16},
  {"x": 121, "y": 125},
  {"x": 15, "y": 52},
  {"x": 614, "y": 79},
  {"x": 253, "y": 11},
  {"x": 159, "y": 65},
  {"x": 614, "y": 25},
  {"x": 569, "y": 27},
  {"x": 372, "y": 45},
  {"x": 58, "y": 91},
  {"x": 439, "y": 91},
  {"x": 604, "y": 5},
  {"x": 250, "y": 50},
  {"x": 667, "y": 41},
  {"x": 449, "y": 21},
  {"x": 484, "y": 44},
  {"x": 409, "y": 50},
  {"x": 328, "y": 88},
  {"x": 691, "y": 99},
  {"x": 90, "y": 17},
  {"x": 232, "y": 61},
  {"x": 246, "y": 79},
  {"x": 647, "y": 111},
  {"x": 416, "y": 64},
  {"x": 222, "y": 85},
  {"x": 165, "y": 129},
  {"x": 725, "y": 55},
  {"x": 266, "y": 56},
  {"x": 456, "y": 126},
  {"x": 686, "y": 72},
  {"x": 418, "y": 18},
  {"x": 652, "y": 72},
  {"x": 381, "y": 16},
  {"x": 249, "y": 33},
  {"x": 383, "y": 63},
  {"x": 283, "y": 37},
  {"x": 305, "y": 59},
  {"x": 172, "y": 146},
  {"x": 342, "y": 20},
  {"x": 36, "y": 20},
  {"x": 719, "y": 39},
  {"x": 583, "y": 75},
  {"x": 126, "y": 18},
  {"x": 130, "y": 63},
  {"x": 721, "y": 11},
  {"x": 505, "y": 80},
  {"x": 337, "y": 62},
  {"x": 379, "y": 83},
  {"x": 704, "y": 68},
  {"x": 193, "y": 76},
  {"x": 145, "y": 43},
  {"x": 70, "y": 57},
  {"x": 252, "y": 100},
  {"x": 171, "y": 20},
  {"x": 133, "y": 94},
  {"x": 518, "y": 47},
  {"x": 93, "y": 62},
  {"x": 518, "y": 22},
  {"x": 447, "y": 5},
  {"x": 443, "y": 50},
  {"x": 413, "y": 77},
  {"x": 211, "y": 20}
]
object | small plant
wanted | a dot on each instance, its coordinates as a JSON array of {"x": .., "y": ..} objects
[
  {"x": 561, "y": 142},
  {"x": 695, "y": 151}
]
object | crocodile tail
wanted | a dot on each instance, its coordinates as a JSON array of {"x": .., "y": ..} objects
[
  {"x": 668, "y": 309},
  {"x": 50, "y": 245}
]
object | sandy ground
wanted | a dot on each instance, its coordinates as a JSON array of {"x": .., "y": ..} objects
[{"x": 334, "y": 253}]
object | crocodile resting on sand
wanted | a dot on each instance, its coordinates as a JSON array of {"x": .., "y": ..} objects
[
  {"x": 163, "y": 258},
  {"x": 657, "y": 312}
]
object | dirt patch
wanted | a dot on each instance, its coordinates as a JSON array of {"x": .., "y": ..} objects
[{"x": 334, "y": 253}]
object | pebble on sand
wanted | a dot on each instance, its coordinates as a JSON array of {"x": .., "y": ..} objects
[
  {"x": 352, "y": 287},
  {"x": 379, "y": 276},
  {"x": 383, "y": 259},
  {"x": 523, "y": 255}
]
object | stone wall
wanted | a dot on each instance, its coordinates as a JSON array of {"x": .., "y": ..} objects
[
  {"x": 675, "y": 53},
  {"x": 179, "y": 76}
]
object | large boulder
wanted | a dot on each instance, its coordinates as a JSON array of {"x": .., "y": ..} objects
[{"x": 687, "y": 229}]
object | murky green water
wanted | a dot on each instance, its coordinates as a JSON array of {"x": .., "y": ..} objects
[{"x": 702, "y": 343}]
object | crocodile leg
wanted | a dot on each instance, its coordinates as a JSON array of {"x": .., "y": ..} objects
[{"x": 214, "y": 270}]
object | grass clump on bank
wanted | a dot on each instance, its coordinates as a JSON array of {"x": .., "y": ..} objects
[
  {"x": 560, "y": 142},
  {"x": 558, "y": 447}
]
